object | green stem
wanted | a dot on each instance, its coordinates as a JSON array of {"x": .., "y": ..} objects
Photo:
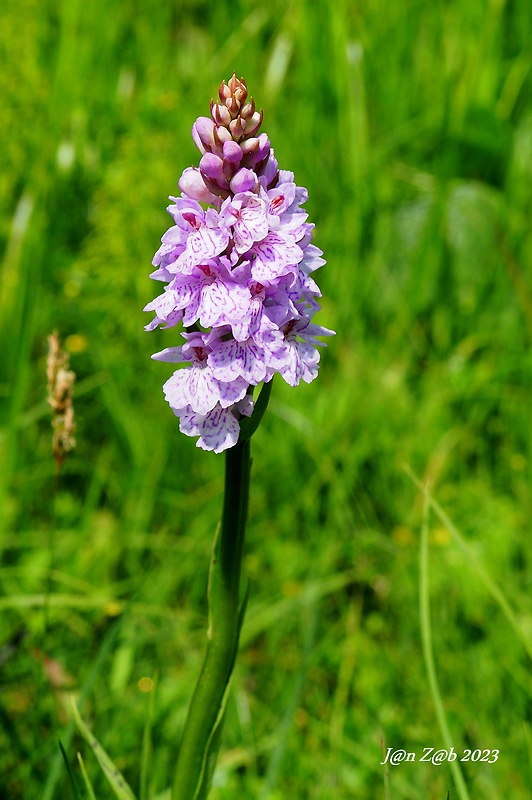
[{"x": 224, "y": 628}]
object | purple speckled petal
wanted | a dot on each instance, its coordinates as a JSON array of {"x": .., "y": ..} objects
[
  {"x": 275, "y": 257},
  {"x": 280, "y": 198},
  {"x": 202, "y": 245},
  {"x": 232, "y": 391},
  {"x": 173, "y": 318},
  {"x": 174, "y": 236},
  {"x": 195, "y": 387},
  {"x": 198, "y": 388},
  {"x": 249, "y": 325},
  {"x": 302, "y": 364},
  {"x": 245, "y": 406},
  {"x": 188, "y": 421},
  {"x": 247, "y": 214},
  {"x": 219, "y": 430},
  {"x": 166, "y": 303},
  {"x": 230, "y": 360},
  {"x": 167, "y": 254},
  {"x": 182, "y": 208},
  {"x": 223, "y": 301},
  {"x": 153, "y": 324},
  {"x": 312, "y": 259}
]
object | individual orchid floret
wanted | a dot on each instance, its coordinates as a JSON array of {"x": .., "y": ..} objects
[
  {"x": 245, "y": 213},
  {"x": 237, "y": 275},
  {"x": 192, "y": 185},
  {"x": 245, "y": 180},
  {"x": 203, "y": 132},
  {"x": 197, "y": 386}
]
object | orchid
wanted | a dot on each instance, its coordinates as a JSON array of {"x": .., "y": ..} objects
[
  {"x": 238, "y": 278},
  {"x": 237, "y": 275}
]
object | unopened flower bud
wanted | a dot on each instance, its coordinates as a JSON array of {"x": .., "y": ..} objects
[
  {"x": 253, "y": 123},
  {"x": 224, "y": 92},
  {"x": 221, "y": 115},
  {"x": 216, "y": 189},
  {"x": 237, "y": 128},
  {"x": 233, "y": 106},
  {"x": 238, "y": 87},
  {"x": 245, "y": 180},
  {"x": 212, "y": 167},
  {"x": 203, "y": 134},
  {"x": 232, "y": 152},
  {"x": 249, "y": 145},
  {"x": 229, "y": 170},
  {"x": 248, "y": 110},
  {"x": 193, "y": 186},
  {"x": 259, "y": 151},
  {"x": 269, "y": 171},
  {"x": 222, "y": 135}
]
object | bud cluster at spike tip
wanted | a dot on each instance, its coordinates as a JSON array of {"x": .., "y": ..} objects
[{"x": 238, "y": 275}]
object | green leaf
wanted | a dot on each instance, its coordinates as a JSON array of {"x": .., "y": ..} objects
[
  {"x": 118, "y": 783},
  {"x": 145, "y": 760},
  {"x": 248, "y": 425},
  {"x": 428, "y": 649},
  {"x": 213, "y": 744},
  {"x": 497, "y": 594},
  {"x": 201, "y": 736},
  {"x": 75, "y": 788},
  {"x": 86, "y": 779}
]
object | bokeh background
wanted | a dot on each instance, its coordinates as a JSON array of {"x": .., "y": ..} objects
[{"x": 411, "y": 125}]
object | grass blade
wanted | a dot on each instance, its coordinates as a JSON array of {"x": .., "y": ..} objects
[
  {"x": 86, "y": 779},
  {"x": 55, "y": 768},
  {"x": 118, "y": 783},
  {"x": 486, "y": 579},
  {"x": 73, "y": 782},
  {"x": 213, "y": 746},
  {"x": 387, "y": 793},
  {"x": 428, "y": 653},
  {"x": 145, "y": 761}
]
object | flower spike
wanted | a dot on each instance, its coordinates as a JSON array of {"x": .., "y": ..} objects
[{"x": 236, "y": 274}]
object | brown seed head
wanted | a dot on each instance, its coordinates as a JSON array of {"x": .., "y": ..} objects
[{"x": 60, "y": 384}]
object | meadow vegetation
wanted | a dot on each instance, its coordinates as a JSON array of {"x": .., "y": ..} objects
[{"x": 411, "y": 125}]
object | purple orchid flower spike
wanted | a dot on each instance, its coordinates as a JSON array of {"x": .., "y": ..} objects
[
  {"x": 237, "y": 275},
  {"x": 238, "y": 268}
]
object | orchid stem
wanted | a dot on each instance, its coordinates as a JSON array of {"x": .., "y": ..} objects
[{"x": 205, "y": 715}]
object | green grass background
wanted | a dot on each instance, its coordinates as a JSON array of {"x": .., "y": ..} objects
[{"x": 411, "y": 125}]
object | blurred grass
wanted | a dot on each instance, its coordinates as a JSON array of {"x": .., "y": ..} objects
[{"x": 411, "y": 125}]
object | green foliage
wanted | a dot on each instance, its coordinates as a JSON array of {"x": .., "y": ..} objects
[
  {"x": 411, "y": 125},
  {"x": 113, "y": 775}
]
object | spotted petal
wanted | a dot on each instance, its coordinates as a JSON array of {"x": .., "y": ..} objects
[
  {"x": 274, "y": 257},
  {"x": 219, "y": 430},
  {"x": 202, "y": 244},
  {"x": 223, "y": 301},
  {"x": 230, "y": 360}
]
